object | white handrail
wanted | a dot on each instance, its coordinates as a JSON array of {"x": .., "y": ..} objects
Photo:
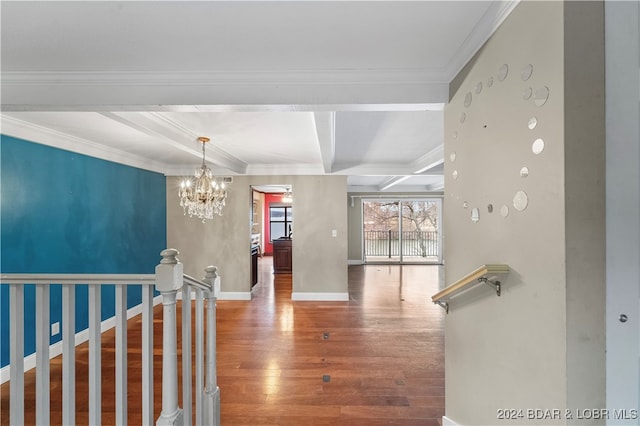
[
  {"x": 192, "y": 282},
  {"x": 168, "y": 279},
  {"x": 78, "y": 279}
]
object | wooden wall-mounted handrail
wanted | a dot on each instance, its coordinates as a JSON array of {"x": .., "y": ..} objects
[{"x": 487, "y": 274}]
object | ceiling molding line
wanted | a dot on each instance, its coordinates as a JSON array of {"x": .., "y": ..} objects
[
  {"x": 177, "y": 137},
  {"x": 497, "y": 12},
  {"x": 226, "y": 77},
  {"x": 326, "y": 131},
  {"x": 90, "y": 96},
  {"x": 431, "y": 159},
  {"x": 408, "y": 107},
  {"x": 393, "y": 181},
  {"x": 372, "y": 169},
  {"x": 31, "y": 132},
  {"x": 220, "y": 156}
]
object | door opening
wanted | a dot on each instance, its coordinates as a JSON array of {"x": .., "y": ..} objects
[{"x": 402, "y": 231}]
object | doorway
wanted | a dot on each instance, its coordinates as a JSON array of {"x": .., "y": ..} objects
[{"x": 402, "y": 230}]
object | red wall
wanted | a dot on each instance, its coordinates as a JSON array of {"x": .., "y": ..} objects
[{"x": 268, "y": 199}]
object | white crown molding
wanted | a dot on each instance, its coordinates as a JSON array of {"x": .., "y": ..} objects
[
  {"x": 221, "y": 157},
  {"x": 225, "y": 77},
  {"x": 161, "y": 91},
  {"x": 17, "y": 128},
  {"x": 484, "y": 29}
]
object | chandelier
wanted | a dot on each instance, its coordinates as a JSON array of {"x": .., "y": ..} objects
[
  {"x": 204, "y": 194},
  {"x": 287, "y": 197}
]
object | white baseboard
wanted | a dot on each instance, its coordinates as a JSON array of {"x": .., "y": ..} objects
[
  {"x": 234, "y": 295},
  {"x": 355, "y": 262},
  {"x": 446, "y": 421},
  {"x": 320, "y": 297},
  {"x": 80, "y": 338}
]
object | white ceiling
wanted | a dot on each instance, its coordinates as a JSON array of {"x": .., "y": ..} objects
[{"x": 300, "y": 87}]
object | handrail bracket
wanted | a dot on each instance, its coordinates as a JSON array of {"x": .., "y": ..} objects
[
  {"x": 494, "y": 284},
  {"x": 489, "y": 274},
  {"x": 444, "y": 305}
]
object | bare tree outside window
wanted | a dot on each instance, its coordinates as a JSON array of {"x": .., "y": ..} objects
[{"x": 419, "y": 235}]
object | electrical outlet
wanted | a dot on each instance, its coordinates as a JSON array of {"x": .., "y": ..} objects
[
  {"x": 334, "y": 232},
  {"x": 55, "y": 328}
]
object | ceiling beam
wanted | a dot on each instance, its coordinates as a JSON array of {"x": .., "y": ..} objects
[
  {"x": 392, "y": 181},
  {"x": 428, "y": 161},
  {"x": 326, "y": 131},
  {"x": 178, "y": 137},
  {"x": 157, "y": 91}
]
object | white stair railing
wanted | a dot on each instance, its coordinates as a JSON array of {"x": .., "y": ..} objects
[
  {"x": 171, "y": 279},
  {"x": 168, "y": 279},
  {"x": 69, "y": 341}
]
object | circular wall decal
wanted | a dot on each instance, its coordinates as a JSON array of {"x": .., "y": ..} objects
[
  {"x": 538, "y": 146},
  {"x": 541, "y": 96},
  {"x": 526, "y": 72},
  {"x": 503, "y": 71},
  {"x": 467, "y": 99},
  {"x": 520, "y": 200},
  {"x": 475, "y": 215}
]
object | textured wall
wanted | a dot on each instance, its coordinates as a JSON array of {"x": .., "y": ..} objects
[
  {"x": 319, "y": 260},
  {"x": 529, "y": 347},
  {"x": 68, "y": 213}
]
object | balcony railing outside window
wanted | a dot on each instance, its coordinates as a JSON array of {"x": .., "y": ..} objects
[{"x": 414, "y": 243}]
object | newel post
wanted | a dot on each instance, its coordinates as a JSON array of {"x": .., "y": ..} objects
[
  {"x": 211, "y": 391},
  {"x": 169, "y": 278}
]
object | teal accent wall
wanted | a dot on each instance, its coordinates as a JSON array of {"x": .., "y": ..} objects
[{"x": 63, "y": 212}]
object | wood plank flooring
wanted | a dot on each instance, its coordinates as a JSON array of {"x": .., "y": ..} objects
[{"x": 375, "y": 360}]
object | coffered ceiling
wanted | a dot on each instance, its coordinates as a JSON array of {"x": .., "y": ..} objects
[{"x": 301, "y": 87}]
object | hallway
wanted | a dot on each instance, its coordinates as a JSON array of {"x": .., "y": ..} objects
[
  {"x": 382, "y": 361},
  {"x": 375, "y": 360}
]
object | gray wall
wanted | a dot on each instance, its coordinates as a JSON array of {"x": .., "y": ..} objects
[
  {"x": 541, "y": 344},
  {"x": 319, "y": 260}
]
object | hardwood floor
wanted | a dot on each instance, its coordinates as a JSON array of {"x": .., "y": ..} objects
[{"x": 375, "y": 360}]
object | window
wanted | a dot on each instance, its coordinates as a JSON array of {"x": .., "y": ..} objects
[{"x": 280, "y": 221}]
